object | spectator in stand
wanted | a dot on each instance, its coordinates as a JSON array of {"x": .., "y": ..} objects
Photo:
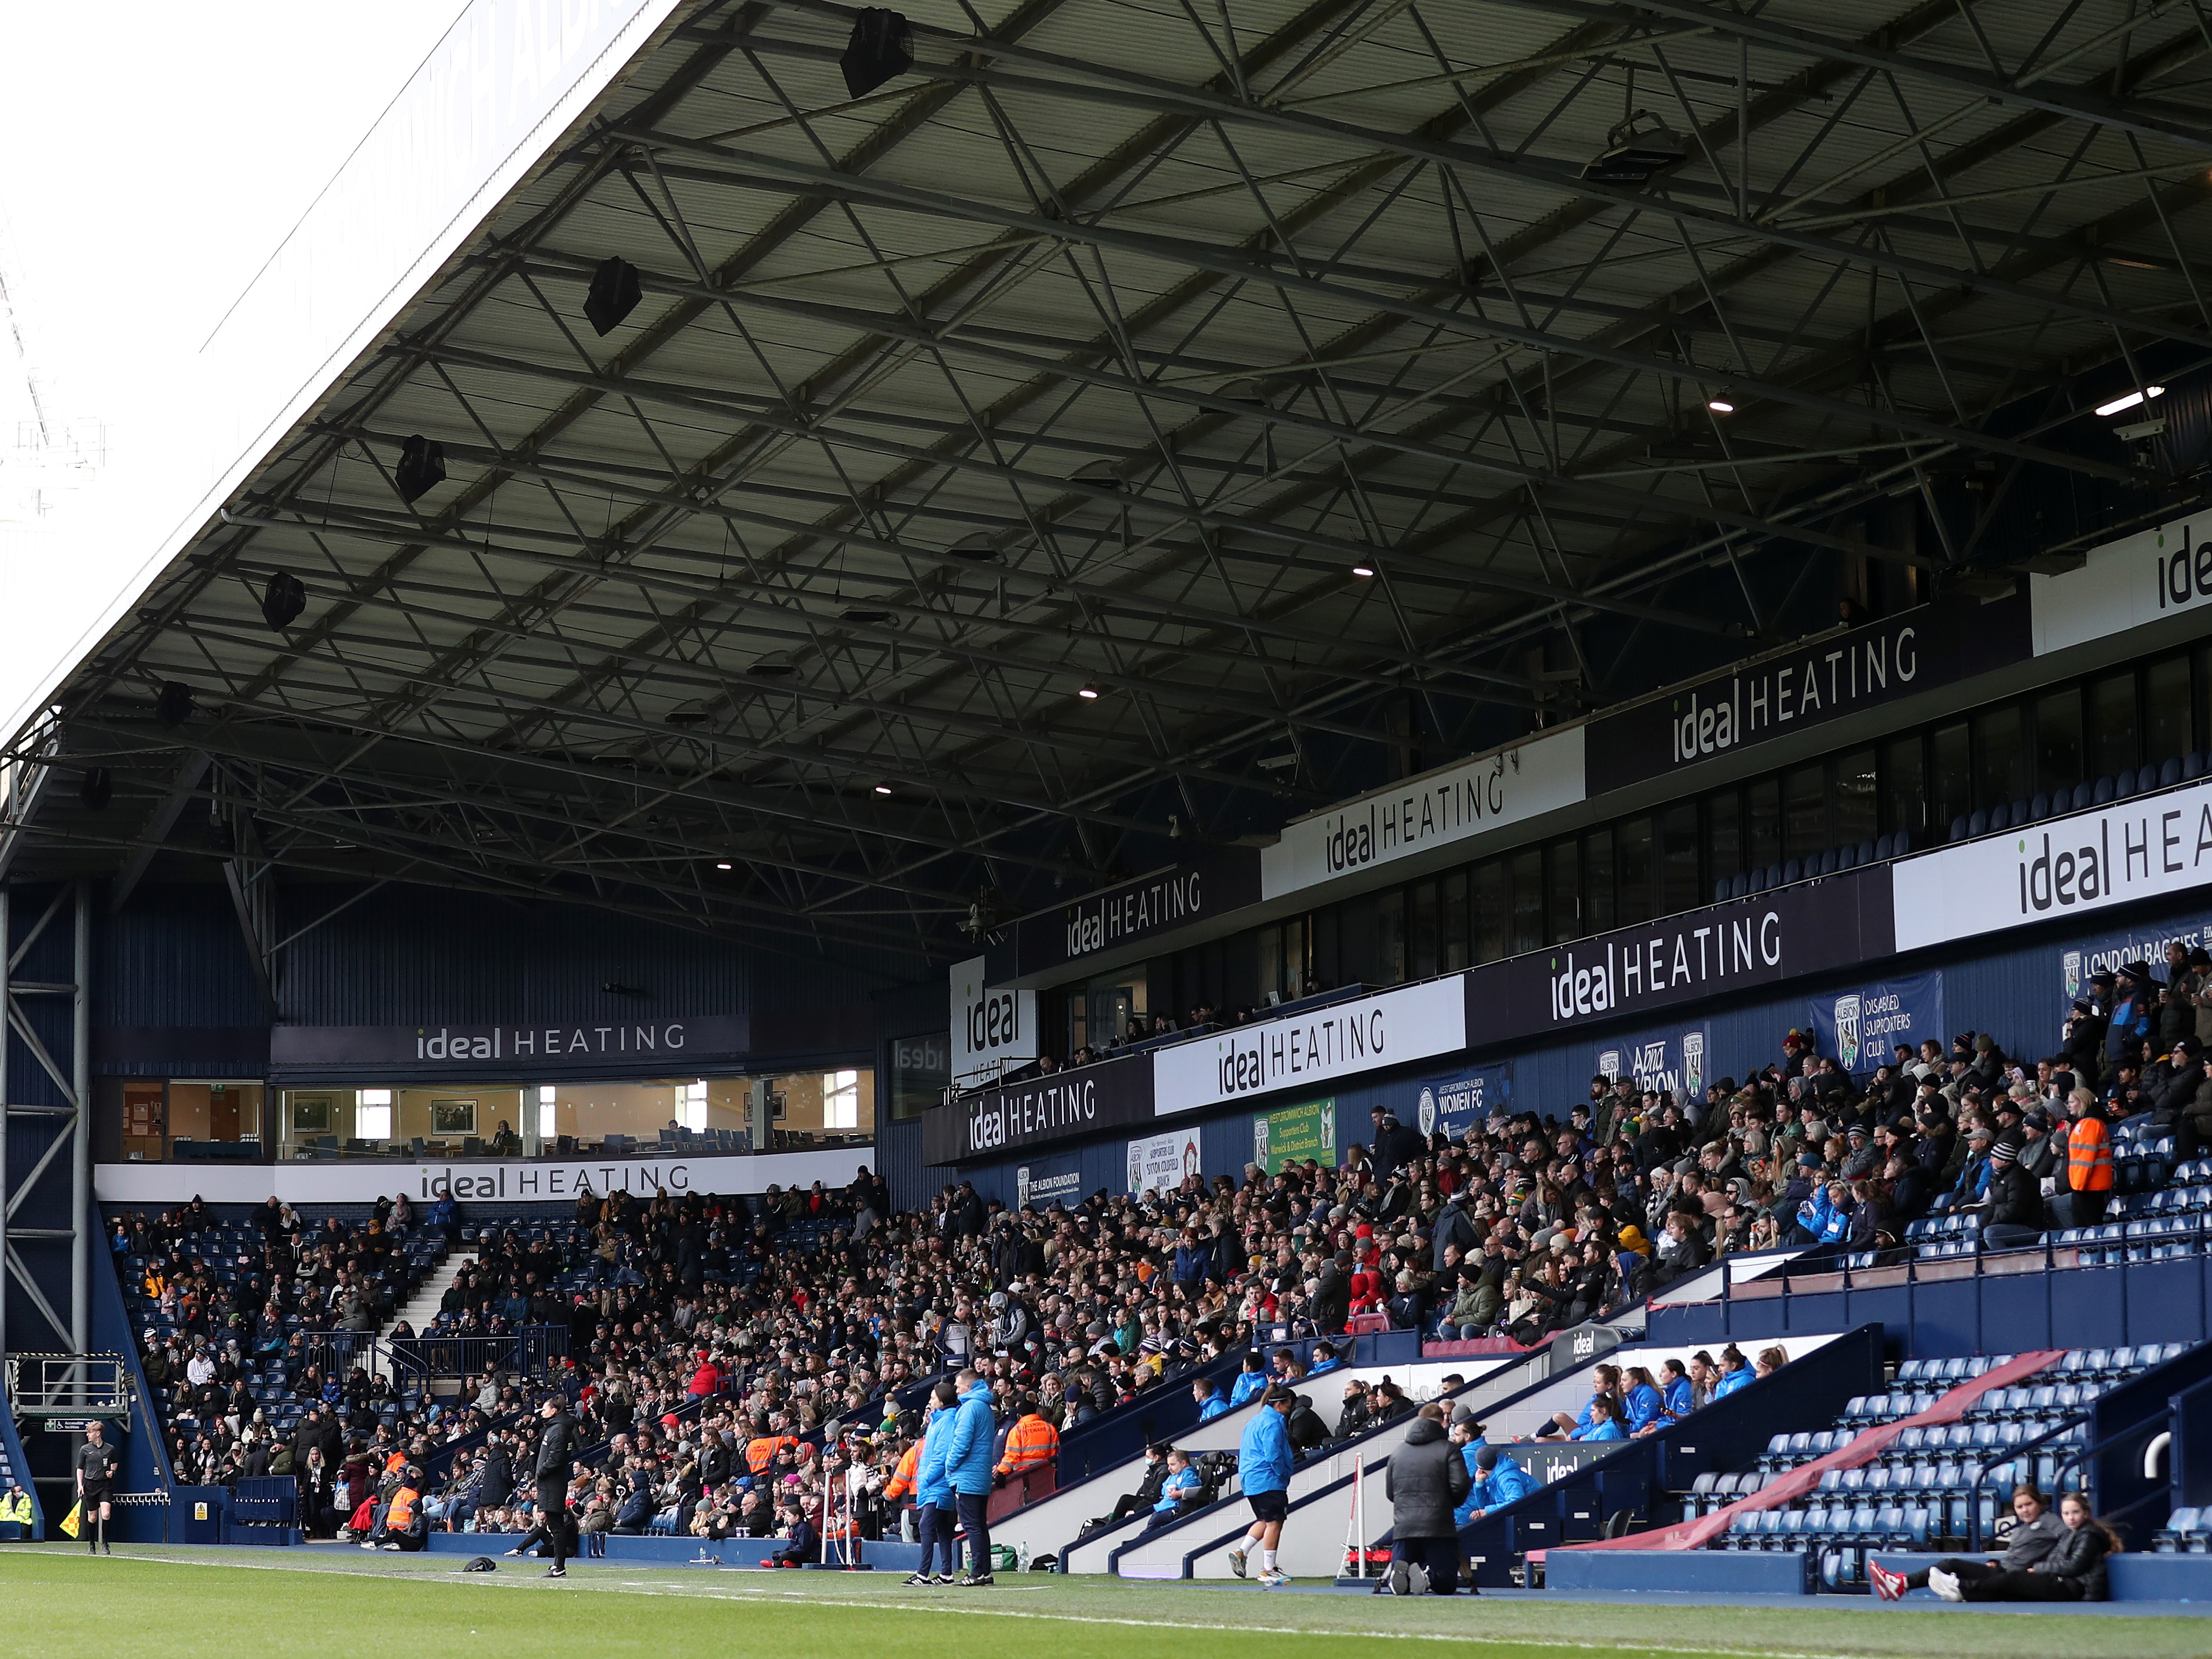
[
  {"x": 1251, "y": 1380},
  {"x": 2035, "y": 1531},
  {"x": 2074, "y": 1571},
  {"x": 2014, "y": 1216},
  {"x": 1425, "y": 1480},
  {"x": 1264, "y": 1460}
]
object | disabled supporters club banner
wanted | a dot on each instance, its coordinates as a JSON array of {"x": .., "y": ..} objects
[{"x": 1859, "y": 1026}]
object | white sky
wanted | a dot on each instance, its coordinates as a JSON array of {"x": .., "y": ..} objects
[{"x": 156, "y": 154}]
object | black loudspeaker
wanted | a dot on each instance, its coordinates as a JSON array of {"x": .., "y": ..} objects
[
  {"x": 173, "y": 706},
  {"x": 422, "y": 467},
  {"x": 282, "y": 600},
  {"x": 614, "y": 294},
  {"x": 97, "y": 789},
  {"x": 881, "y": 46}
]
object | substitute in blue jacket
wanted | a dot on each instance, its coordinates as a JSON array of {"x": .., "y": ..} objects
[
  {"x": 933, "y": 1488},
  {"x": 1605, "y": 1421},
  {"x": 1681, "y": 1394},
  {"x": 967, "y": 1470},
  {"x": 1263, "y": 1470},
  {"x": 1211, "y": 1405},
  {"x": 1251, "y": 1382},
  {"x": 1498, "y": 1481}
]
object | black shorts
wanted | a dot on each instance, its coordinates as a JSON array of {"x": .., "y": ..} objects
[
  {"x": 1269, "y": 1506},
  {"x": 95, "y": 1493}
]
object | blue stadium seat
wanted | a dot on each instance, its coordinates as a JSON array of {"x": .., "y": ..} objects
[
  {"x": 2040, "y": 808},
  {"x": 1792, "y": 870},
  {"x": 2169, "y": 772},
  {"x": 2101, "y": 795}
]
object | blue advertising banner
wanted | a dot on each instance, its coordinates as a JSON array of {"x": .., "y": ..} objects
[
  {"x": 1460, "y": 1100},
  {"x": 1673, "y": 1061},
  {"x": 1860, "y": 1025},
  {"x": 1048, "y": 1180},
  {"x": 2107, "y": 953}
]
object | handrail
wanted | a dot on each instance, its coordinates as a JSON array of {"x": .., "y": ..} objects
[{"x": 2006, "y": 1454}]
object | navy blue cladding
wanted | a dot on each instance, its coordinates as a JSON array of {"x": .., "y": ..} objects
[{"x": 173, "y": 956}]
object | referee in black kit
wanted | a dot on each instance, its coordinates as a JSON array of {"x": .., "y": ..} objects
[{"x": 95, "y": 1475}]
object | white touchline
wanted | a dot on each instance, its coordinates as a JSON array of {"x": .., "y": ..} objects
[{"x": 969, "y": 1610}]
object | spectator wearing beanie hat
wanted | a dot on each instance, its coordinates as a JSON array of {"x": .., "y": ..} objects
[{"x": 2015, "y": 1200}]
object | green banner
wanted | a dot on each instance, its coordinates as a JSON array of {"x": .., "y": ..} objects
[{"x": 1292, "y": 1134}]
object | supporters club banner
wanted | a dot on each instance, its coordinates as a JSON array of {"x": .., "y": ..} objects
[
  {"x": 1453, "y": 1104},
  {"x": 2155, "y": 846},
  {"x": 2082, "y": 960},
  {"x": 1157, "y": 1164},
  {"x": 1043, "y": 1112},
  {"x": 1672, "y": 1062},
  {"x": 1816, "y": 926},
  {"x": 1295, "y": 1134},
  {"x": 1861, "y": 1025}
]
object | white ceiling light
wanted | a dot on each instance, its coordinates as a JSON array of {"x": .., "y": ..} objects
[{"x": 2131, "y": 400}]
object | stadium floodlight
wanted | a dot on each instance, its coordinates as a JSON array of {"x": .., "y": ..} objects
[
  {"x": 172, "y": 704},
  {"x": 614, "y": 294},
  {"x": 1720, "y": 405},
  {"x": 880, "y": 49},
  {"x": 282, "y": 600},
  {"x": 724, "y": 863},
  {"x": 2132, "y": 400},
  {"x": 421, "y": 468},
  {"x": 1088, "y": 693},
  {"x": 882, "y": 789},
  {"x": 96, "y": 789},
  {"x": 1362, "y": 571},
  {"x": 1636, "y": 152}
]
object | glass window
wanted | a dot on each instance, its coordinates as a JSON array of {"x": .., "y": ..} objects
[
  {"x": 2113, "y": 724},
  {"x": 1524, "y": 881},
  {"x": 372, "y": 1116},
  {"x": 1762, "y": 823},
  {"x": 1390, "y": 936},
  {"x": 1565, "y": 906},
  {"x": 2000, "y": 759},
  {"x": 841, "y": 1101},
  {"x": 2167, "y": 723},
  {"x": 1855, "y": 817},
  {"x": 549, "y": 1111},
  {"x": 1597, "y": 880},
  {"x": 1493, "y": 911},
  {"x": 1271, "y": 961},
  {"x": 1685, "y": 876},
  {"x": 692, "y": 1114},
  {"x": 1952, "y": 795},
  {"x": 1905, "y": 785},
  {"x": 1422, "y": 924},
  {"x": 2058, "y": 739},
  {"x": 1804, "y": 811},
  {"x": 1295, "y": 963},
  {"x": 1452, "y": 919},
  {"x": 1724, "y": 832},
  {"x": 1632, "y": 858}
]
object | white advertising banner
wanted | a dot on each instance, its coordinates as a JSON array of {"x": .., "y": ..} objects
[
  {"x": 992, "y": 1029},
  {"x": 2142, "y": 578},
  {"x": 477, "y": 1180},
  {"x": 2152, "y": 847},
  {"x": 1157, "y": 1164},
  {"x": 1513, "y": 785},
  {"x": 1338, "y": 1040}
]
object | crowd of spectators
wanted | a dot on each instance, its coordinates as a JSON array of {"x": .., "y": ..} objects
[{"x": 727, "y": 1357}]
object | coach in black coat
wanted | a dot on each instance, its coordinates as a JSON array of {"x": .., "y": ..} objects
[{"x": 1426, "y": 1480}]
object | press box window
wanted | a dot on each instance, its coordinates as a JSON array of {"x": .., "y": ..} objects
[
  {"x": 372, "y": 1116},
  {"x": 841, "y": 1101},
  {"x": 549, "y": 1112},
  {"x": 693, "y": 1114}
]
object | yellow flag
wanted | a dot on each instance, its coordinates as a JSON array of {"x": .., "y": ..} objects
[{"x": 70, "y": 1520}]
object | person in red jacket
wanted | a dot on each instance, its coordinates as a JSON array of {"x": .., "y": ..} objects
[{"x": 707, "y": 1379}]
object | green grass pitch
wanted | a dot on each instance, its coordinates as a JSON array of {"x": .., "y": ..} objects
[{"x": 183, "y": 1603}]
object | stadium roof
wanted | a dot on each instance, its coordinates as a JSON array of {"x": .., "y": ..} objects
[{"x": 1103, "y": 351}]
